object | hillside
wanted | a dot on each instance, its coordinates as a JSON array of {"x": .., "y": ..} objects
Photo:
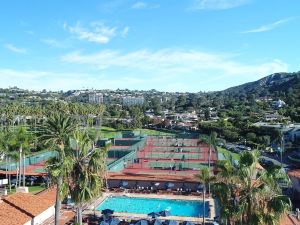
[
  {"x": 279, "y": 85},
  {"x": 274, "y": 82}
]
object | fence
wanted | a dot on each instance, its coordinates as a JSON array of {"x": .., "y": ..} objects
[
  {"x": 174, "y": 142},
  {"x": 177, "y": 165},
  {"x": 176, "y": 149},
  {"x": 127, "y": 159},
  {"x": 30, "y": 160},
  {"x": 172, "y": 155}
]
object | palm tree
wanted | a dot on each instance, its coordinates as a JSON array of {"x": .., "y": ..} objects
[
  {"x": 7, "y": 149},
  {"x": 56, "y": 132},
  {"x": 249, "y": 196},
  {"x": 212, "y": 143},
  {"x": 20, "y": 140},
  {"x": 88, "y": 170},
  {"x": 204, "y": 178}
]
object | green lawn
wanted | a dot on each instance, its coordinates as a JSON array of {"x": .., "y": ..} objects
[
  {"x": 155, "y": 132},
  {"x": 227, "y": 153},
  {"x": 32, "y": 189},
  {"x": 108, "y": 132}
]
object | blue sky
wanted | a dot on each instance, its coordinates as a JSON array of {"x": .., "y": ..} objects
[{"x": 169, "y": 45}]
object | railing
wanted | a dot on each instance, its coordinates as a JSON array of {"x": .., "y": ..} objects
[
  {"x": 29, "y": 160},
  {"x": 121, "y": 163}
]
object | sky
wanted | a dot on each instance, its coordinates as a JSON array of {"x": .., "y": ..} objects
[{"x": 167, "y": 45}]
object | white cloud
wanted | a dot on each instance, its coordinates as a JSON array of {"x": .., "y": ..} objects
[
  {"x": 267, "y": 27},
  {"x": 54, "y": 43},
  {"x": 139, "y": 5},
  {"x": 124, "y": 32},
  {"x": 217, "y": 4},
  {"x": 165, "y": 69},
  {"x": 174, "y": 62},
  {"x": 96, "y": 32},
  {"x": 144, "y": 5},
  {"x": 15, "y": 49},
  {"x": 39, "y": 80}
]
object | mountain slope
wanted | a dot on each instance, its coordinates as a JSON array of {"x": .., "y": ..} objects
[{"x": 271, "y": 83}]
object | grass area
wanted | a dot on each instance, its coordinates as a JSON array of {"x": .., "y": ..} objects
[
  {"x": 227, "y": 153},
  {"x": 32, "y": 189},
  {"x": 155, "y": 132},
  {"x": 108, "y": 132}
]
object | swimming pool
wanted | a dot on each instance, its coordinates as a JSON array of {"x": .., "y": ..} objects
[{"x": 146, "y": 205}]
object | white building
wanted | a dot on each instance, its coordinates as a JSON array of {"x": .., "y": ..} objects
[
  {"x": 96, "y": 98},
  {"x": 129, "y": 101}
]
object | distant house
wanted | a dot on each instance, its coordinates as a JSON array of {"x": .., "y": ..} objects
[
  {"x": 272, "y": 117},
  {"x": 26, "y": 208},
  {"x": 95, "y": 98},
  {"x": 295, "y": 179},
  {"x": 129, "y": 101},
  {"x": 278, "y": 104}
]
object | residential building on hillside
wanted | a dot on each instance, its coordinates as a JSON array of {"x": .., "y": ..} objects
[
  {"x": 129, "y": 101},
  {"x": 95, "y": 98}
]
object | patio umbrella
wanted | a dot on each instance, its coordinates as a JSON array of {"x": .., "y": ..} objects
[
  {"x": 200, "y": 187},
  {"x": 107, "y": 211},
  {"x": 187, "y": 223},
  {"x": 157, "y": 222},
  {"x": 124, "y": 183},
  {"x": 153, "y": 215},
  {"x": 169, "y": 185},
  {"x": 142, "y": 222},
  {"x": 103, "y": 223},
  {"x": 165, "y": 213},
  {"x": 114, "y": 221},
  {"x": 171, "y": 222}
]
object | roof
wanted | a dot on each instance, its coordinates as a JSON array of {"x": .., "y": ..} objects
[
  {"x": 20, "y": 208},
  {"x": 294, "y": 173},
  {"x": 289, "y": 220},
  {"x": 152, "y": 177},
  {"x": 259, "y": 167},
  {"x": 11, "y": 215},
  {"x": 31, "y": 204}
]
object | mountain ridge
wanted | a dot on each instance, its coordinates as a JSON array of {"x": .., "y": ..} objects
[{"x": 270, "y": 83}]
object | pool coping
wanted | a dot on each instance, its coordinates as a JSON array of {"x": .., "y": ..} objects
[{"x": 126, "y": 216}]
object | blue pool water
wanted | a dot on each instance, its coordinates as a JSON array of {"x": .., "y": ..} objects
[{"x": 147, "y": 205}]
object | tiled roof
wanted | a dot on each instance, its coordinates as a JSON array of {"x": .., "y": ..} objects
[
  {"x": 31, "y": 204},
  {"x": 48, "y": 195},
  {"x": 289, "y": 220},
  {"x": 151, "y": 177},
  {"x": 12, "y": 216},
  {"x": 19, "y": 208},
  {"x": 294, "y": 173}
]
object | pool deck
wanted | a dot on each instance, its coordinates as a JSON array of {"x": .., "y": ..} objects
[{"x": 129, "y": 216}]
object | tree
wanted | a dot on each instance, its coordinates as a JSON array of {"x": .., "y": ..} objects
[
  {"x": 8, "y": 150},
  {"x": 87, "y": 173},
  {"x": 249, "y": 196},
  {"x": 212, "y": 144},
  {"x": 21, "y": 142},
  {"x": 204, "y": 178},
  {"x": 56, "y": 132}
]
